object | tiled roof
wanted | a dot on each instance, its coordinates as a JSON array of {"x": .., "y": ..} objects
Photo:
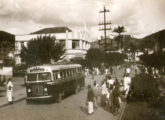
[{"x": 52, "y": 30}]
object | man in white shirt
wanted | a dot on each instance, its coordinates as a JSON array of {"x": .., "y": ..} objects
[
  {"x": 110, "y": 82},
  {"x": 127, "y": 83},
  {"x": 128, "y": 70}
]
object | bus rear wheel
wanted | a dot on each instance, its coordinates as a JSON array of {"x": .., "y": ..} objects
[
  {"x": 59, "y": 98},
  {"x": 77, "y": 89}
]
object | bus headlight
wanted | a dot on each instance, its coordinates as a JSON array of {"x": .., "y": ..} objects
[
  {"x": 45, "y": 89},
  {"x": 29, "y": 90}
]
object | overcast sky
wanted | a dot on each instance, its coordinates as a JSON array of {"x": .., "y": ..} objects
[{"x": 140, "y": 17}]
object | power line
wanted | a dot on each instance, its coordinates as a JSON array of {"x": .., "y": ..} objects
[{"x": 105, "y": 23}]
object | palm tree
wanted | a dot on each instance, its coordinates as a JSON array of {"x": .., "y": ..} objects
[{"x": 119, "y": 30}]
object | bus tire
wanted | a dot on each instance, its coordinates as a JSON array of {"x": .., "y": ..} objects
[
  {"x": 59, "y": 98},
  {"x": 77, "y": 89}
]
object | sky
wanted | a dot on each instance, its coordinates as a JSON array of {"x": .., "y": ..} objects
[{"x": 139, "y": 17}]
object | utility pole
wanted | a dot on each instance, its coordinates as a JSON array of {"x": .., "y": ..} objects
[{"x": 105, "y": 23}]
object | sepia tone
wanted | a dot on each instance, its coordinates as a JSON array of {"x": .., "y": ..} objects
[{"x": 82, "y": 60}]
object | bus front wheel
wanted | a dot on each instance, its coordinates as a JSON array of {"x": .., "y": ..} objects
[{"x": 27, "y": 101}]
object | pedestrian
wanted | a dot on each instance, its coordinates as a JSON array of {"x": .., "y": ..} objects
[
  {"x": 127, "y": 83},
  {"x": 128, "y": 70},
  {"x": 96, "y": 93},
  {"x": 136, "y": 70},
  {"x": 10, "y": 91},
  {"x": 104, "y": 92},
  {"x": 90, "y": 100},
  {"x": 115, "y": 99},
  {"x": 111, "y": 70},
  {"x": 106, "y": 71},
  {"x": 93, "y": 73},
  {"x": 110, "y": 82}
]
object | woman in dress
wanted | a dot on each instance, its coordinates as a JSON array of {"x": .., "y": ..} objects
[{"x": 10, "y": 91}]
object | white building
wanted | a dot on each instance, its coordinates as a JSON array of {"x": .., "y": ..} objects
[{"x": 76, "y": 42}]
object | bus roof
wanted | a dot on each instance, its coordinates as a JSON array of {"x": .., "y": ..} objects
[{"x": 55, "y": 66}]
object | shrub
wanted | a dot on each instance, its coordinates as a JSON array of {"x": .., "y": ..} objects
[{"x": 144, "y": 87}]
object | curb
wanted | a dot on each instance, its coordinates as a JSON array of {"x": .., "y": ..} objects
[
  {"x": 15, "y": 101},
  {"x": 122, "y": 111}
]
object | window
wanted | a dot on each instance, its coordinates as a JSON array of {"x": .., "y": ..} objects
[
  {"x": 56, "y": 75},
  {"x": 61, "y": 74},
  {"x": 65, "y": 73},
  {"x": 32, "y": 77},
  {"x": 72, "y": 72},
  {"x": 68, "y": 73},
  {"x": 22, "y": 44},
  {"x": 79, "y": 69},
  {"x": 75, "y": 44},
  {"x": 44, "y": 76}
]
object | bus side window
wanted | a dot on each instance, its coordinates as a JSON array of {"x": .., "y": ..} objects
[
  {"x": 74, "y": 71},
  {"x": 61, "y": 74},
  {"x": 54, "y": 75},
  {"x": 70, "y": 72},
  {"x": 58, "y": 75},
  {"x": 66, "y": 73}
]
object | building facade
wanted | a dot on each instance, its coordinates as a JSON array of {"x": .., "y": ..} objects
[{"x": 76, "y": 42}]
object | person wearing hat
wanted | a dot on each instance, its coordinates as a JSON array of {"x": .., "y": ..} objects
[{"x": 10, "y": 91}]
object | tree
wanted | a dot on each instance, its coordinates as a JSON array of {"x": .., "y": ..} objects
[
  {"x": 119, "y": 30},
  {"x": 42, "y": 50},
  {"x": 115, "y": 58},
  {"x": 153, "y": 60},
  {"x": 94, "y": 57},
  {"x": 143, "y": 87}
]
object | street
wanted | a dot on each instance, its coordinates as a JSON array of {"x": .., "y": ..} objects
[{"x": 71, "y": 108}]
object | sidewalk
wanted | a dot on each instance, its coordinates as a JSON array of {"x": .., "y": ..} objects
[
  {"x": 18, "y": 95},
  {"x": 19, "y": 92}
]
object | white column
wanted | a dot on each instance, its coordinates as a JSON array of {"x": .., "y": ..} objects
[
  {"x": 81, "y": 45},
  {"x": 66, "y": 40}
]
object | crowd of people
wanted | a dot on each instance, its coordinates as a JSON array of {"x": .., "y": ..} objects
[{"x": 110, "y": 93}]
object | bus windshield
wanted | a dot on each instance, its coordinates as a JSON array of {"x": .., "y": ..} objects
[
  {"x": 32, "y": 77},
  {"x": 41, "y": 76},
  {"x": 44, "y": 76}
]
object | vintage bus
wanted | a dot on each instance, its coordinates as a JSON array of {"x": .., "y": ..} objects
[{"x": 53, "y": 82}]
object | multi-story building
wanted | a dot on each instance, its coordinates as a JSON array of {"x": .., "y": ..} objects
[
  {"x": 7, "y": 41},
  {"x": 76, "y": 42}
]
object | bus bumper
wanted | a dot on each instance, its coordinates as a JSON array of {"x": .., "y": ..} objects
[{"x": 39, "y": 97}]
